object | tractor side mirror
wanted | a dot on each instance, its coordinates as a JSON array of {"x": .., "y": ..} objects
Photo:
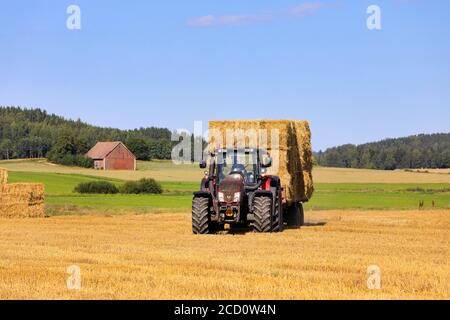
[
  {"x": 266, "y": 162},
  {"x": 203, "y": 165}
]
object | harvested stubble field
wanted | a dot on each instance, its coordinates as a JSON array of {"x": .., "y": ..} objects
[
  {"x": 156, "y": 257},
  {"x": 124, "y": 253}
]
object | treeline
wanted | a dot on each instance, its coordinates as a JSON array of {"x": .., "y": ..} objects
[
  {"x": 421, "y": 151},
  {"x": 33, "y": 133}
]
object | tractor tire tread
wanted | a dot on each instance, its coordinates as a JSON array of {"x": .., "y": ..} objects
[
  {"x": 262, "y": 210},
  {"x": 200, "y": 216}
]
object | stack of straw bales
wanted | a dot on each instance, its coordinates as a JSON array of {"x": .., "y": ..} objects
[
  {"x": 3, "y": 177},
  {"x": 20, "y": 200},
  {"x": 292, "y": 158}
]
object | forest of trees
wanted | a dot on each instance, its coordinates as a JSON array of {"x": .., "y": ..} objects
[
  {"x": 33, "y": 133},
  {"x": 421, "y": 151}
]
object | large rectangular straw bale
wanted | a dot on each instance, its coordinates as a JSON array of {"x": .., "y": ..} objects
[
  {"x": 3, "y": 176},
  {"x": 22, "y": 200},
  {"x": 294, "y": 151}
]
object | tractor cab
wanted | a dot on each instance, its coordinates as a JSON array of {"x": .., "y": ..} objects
[
  {"x": 233, "y": 162},
  {"x": 250, "y": 164}
]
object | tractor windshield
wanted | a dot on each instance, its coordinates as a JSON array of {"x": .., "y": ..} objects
[{"x": 237, "y": 162}]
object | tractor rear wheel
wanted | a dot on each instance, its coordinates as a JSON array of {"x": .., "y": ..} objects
[
  {"x": 278, "y": 220},
  {"x": 262, "y": 210},
  {"x": 200, "y": 216}
]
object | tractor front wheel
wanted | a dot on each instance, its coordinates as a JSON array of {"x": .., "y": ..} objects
[
  {"x": 200, "y": 216},
  {"x": 262, "y": 210}
]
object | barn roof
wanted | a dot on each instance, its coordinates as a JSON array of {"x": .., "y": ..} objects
[{"x": 102, "y": 149}]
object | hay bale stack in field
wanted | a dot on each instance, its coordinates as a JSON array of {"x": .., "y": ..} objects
[
  {"x": 20, "y": 200},
  {"x": 288, "y": 143},
  {"x": 3, "y": 177}
]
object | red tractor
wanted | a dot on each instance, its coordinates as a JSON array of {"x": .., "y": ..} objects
[{"x": 237, "y": 191}]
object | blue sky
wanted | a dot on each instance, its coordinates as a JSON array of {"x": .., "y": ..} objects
[{"x": 168, "y": 63}]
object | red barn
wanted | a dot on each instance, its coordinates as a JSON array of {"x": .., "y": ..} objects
[{"x": 112, "y": 156}]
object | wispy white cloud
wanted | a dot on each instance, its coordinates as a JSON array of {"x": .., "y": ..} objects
[
  {"x": 306, "y": 9},
  {"x": 231, "y": 20},
  {"x": 407, "y": 1},
  {"x": 299, "y": 11}
]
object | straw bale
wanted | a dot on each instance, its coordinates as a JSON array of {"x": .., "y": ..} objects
[
  {"x": 3, "y": 176},
  {"x": 22, "y": 200}
]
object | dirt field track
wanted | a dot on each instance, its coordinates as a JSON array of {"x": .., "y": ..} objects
[
  {"x": 167, "y": 171},
  {"x": 156, "y": 256}
]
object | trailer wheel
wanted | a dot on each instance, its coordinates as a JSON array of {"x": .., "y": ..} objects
[
  {"x": 200, "y": 216},
  {"x": 301, "y": 215},
  {"x": 295, "y": 216},
  {"x": 262, "y": 209}
]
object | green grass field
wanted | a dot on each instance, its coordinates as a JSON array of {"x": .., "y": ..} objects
[
  {"x": 379, "y": 196},
  {"x": 60, "y": 183},
  {"x": 61, "y": 199}
]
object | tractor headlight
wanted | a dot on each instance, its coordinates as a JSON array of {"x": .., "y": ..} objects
[
  {"x": 221, "y": 197},
  {"x": 237, "y": 197}
]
